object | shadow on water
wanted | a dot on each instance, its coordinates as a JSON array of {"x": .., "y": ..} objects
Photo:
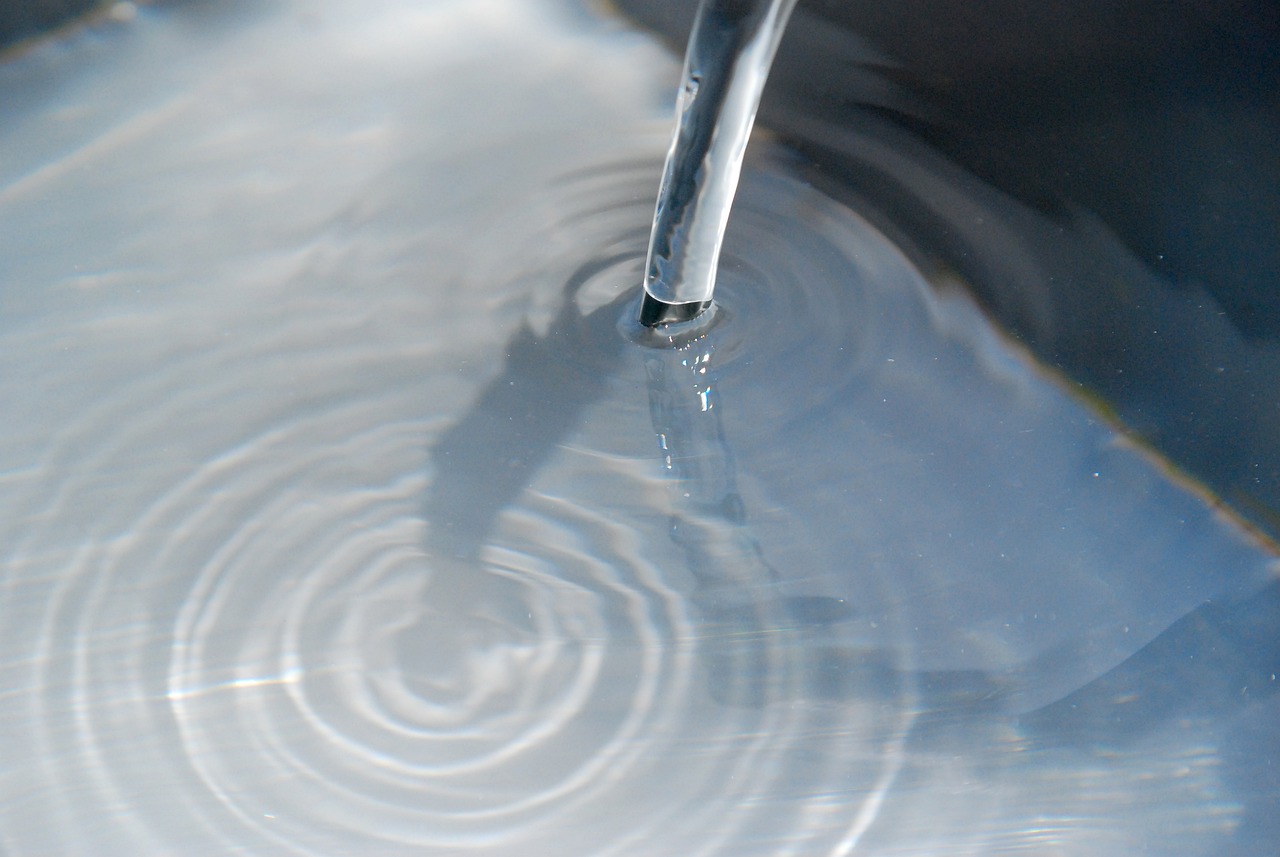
[{"x": 537, "y": 398}]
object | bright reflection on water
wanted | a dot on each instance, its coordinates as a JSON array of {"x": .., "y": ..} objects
[{"x": 343, "y": 514}]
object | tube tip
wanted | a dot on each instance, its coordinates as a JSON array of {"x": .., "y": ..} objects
[{"x": 654, "y": 311}]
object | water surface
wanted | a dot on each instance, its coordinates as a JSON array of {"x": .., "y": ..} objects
[{"x": 342, "y": 511}]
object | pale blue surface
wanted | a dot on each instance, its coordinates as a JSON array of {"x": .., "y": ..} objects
[{"x": 334, "y": 522}]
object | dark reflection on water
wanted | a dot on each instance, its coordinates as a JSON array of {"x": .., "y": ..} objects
[
  {"x": 546, "y": 382},
  {"x": 21, "y": 19},
  {"x": 1101, "y": 175},
  {"x": 343, "y": 512}
]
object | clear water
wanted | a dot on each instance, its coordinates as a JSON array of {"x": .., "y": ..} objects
[
  {"x": 342, "y": 512},
  {"x": 726, "y": 63}
]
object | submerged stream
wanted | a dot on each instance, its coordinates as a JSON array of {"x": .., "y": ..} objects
[{"x": 342, "y": 512}]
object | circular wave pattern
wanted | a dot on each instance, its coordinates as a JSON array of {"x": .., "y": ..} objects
[
  {"x": 342, "y": 514},
  {"x": 285, "y": 584},
  {"x": 256, "y": 642}
]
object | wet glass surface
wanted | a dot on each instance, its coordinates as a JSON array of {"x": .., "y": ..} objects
[{"x": 345, "y": 510}]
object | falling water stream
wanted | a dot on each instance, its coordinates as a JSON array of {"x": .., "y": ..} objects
[{"x": 346, "y": 508}]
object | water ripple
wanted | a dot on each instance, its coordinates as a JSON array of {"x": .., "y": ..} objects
[
  {"x": 375, "y": 531},
  {"x": 254, "y": 636}
]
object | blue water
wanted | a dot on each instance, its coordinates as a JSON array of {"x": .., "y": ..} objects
[{"x": 346, "y": 510}]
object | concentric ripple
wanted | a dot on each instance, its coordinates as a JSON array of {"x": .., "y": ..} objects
[
  {"x": 257, "y": 639},
  {"x": 343, "y": 514},
  {"x": 257, "y": 610}
]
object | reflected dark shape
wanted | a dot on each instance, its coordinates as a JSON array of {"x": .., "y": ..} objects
[
  {"x": 1101, "y": 175},
  {"x": 22, "y": 19},
  {"x": 483, "y": 462},
  {"x": 1215, "y": 662}
]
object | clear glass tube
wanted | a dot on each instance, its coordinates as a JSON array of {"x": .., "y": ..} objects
[{"x": 730, "y": 50}]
